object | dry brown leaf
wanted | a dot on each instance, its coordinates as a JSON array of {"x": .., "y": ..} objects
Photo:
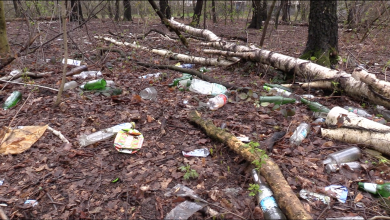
[
  {"x": 327, "y": 144},
  {"x": 42, "y": 167},
  {"x": 150, "y": 118},
  {"x": 136, "y": 99},
  {"x": 358, "y": 197}
]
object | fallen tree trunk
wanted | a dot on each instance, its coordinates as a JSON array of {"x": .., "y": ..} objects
[
  {"x": 34, "y": 19},
  {"x": 303, "y": 68},
  {"x": 287, "y": 200},
  {"x": 357, "y": 130},
  {"x": 29, "y": 74},
  {"x": 379, "y": 86},
  {"x": 189, "y": 71},
  {"x": 167, "y": 53}
]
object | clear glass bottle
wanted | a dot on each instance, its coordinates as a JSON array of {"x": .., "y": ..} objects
[
  {"x": 335, "y": 167},
  {"x": 343, "y": 156},
  {"x": 217, "y": 102},
  {"x": 94, "y": 85},
  {"x": 299, "y": 134},
  {"x": 277, "y": 91},
  {"x": 12, "y": 100},
  {"x": 266, "y": 200},
  {"x": 88, "y": 74},
  {"x": 85, "y": 140},
  {"x": 206, "y": 88},
  {"x": 149, "y": 93}
]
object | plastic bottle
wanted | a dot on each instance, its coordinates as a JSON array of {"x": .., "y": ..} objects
[
  {"x": 206, "y": 88},
  {"x": 88, "y": 74},
  {"x": 94, "y": 84},
  {"x": 12, "y": 100},
  {"x": 104, "y": 134},
  {"x": 358, "y": 111},
  {"x": 149, "y": 93},
  {"x": 278, "y": 86},
  {"x": 299, "y": 134},
  {"x": 110, "y": 83},
  {"x": 346, "y": 155},
  {"x": 70, "y": 85},
  {"x": 276, "y": 99},
  {"x": 217, "y": 102},
  {"x": 150, "y": 75},
  {"x": 266, "y": 200},
  {"x": 177, "y": 81},
  {"x": 334, "y": 167},
  {"x": 278, "y": 91},
  {"x": 187, "y": 65},
  {"x": 378, "y": 189}
]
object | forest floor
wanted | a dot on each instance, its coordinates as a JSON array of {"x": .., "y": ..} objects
[{"x": 70, "y": 181}]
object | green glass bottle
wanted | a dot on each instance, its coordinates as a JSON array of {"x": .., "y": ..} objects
[
  {"x": 378, "y": 189},
  {"x": 277, "y": 99},
  {"x": 94, "y": 85},
  {"x": 12, "y": 100},
  {"x": 315, "y": 106},
  {"x": 278, "y": 86},
  {"x": 176, "y": 81}
]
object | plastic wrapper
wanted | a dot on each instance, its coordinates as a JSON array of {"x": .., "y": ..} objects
[
  {"x": 72, "y": 62},
  {"x": 184, "y": 210},
  {"x": 32, "y": 202},
  {"x": 204, "y": 152},
  {"x": 339, "y": 192},
  {"x": 128, "y": 141},
  {"x": 313, "y": 197},
  {"x": 183, "y": 191}
]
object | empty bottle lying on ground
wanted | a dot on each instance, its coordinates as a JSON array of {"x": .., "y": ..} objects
[
  {"x": 12, "y": 100},
  {"x": 85, "y": 140}
]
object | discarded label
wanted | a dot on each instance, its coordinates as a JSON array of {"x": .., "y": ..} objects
[
  {"x": 204, "y": 152},
  {"x": 128, "y": 141},
  {"x": 32, "y": 202},
  {"x": 313, "y": 197},
  {"x": 341, "y": 192},
  {"x": 72, "y": 62}
]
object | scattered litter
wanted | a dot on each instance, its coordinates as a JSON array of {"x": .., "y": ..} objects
[
  {"x": 279, "y": 100},
  {"x": 20, "y": 139},
  {"x": 97, "y": 84},
  {"x": 343, "y": 156},
  {"x": 128, "y": 141},
  {"x": 299, "y": 134},
  {"x": 204, "y": 152},
  {"x": 85, "y": 140},
  {"x": 72, "y": 62},
  {"x": 211, "y": 212},
  {"x": 15, "y": 72},
  {"x": 232, "y": 192},
  {"x": 149, "y": 93},
  {"x": 313, "y": 197},
  {"x": 217, "y": 102},
  {"x": 1, "y": 182},
  {"x": 376, "y": 189},
  {"x": 307, "y": 96},
  {"x": 243, "y": 138},
  {"x": 187, "y": 65},
  {"x": 150, "y": 75},
  {"x": 183, "y": 80},
  {"x": 88, "y": 74},
  {"x": 70, "y": 85},
  {"x": 59, "y": 134},
  {"x": 12, "y": 100},
  {"x": 339, "y": 192},
  {"x": 32, "y": 202},
  {"x": 184, "y": 210}
]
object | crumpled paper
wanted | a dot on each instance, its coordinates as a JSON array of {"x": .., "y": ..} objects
[{"x": 16, "y": 141}]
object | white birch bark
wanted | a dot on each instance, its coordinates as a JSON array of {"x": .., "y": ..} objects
[
  {"x": 380, "y": 86},
  {"x": 357, "y": 130},
  {"x": 170, "y": 54}
]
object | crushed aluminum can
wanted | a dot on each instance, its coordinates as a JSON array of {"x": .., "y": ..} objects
[
  {"x": 204, "y": 152},
  {"x": 33, "y": 202},
  {"x": 312, "y": 197},
  {"x": 340, "y": 192},
  {"x": 128, "y": 141}
]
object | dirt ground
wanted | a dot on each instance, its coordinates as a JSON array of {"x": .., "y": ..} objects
[{"x": 70, "y": 181}]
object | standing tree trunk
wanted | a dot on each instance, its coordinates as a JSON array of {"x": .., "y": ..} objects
[
  {"x": 322, "y": 45},
  {"x": 165, "y": 9},
  {"x": 4, "y": 46},
  {"x": 213, "y": 11},
  {"x": 197, "y": 13},
  {"x": 16, "y": 7},
  {"x": 127, "y": 10},
  {"x": 285, "y": 10},
  {"x": 257, "y": 15},
  {"x": 204, "y": 14},
  {"x": 110, "y": 14},
  {"x": 116, "y": 18},
  {"x": 77, "y": 13}
]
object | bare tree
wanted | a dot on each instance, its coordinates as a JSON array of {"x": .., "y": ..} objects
[
  {"x": 127, "y": 10},
  {"x": 197, "y": 13}
]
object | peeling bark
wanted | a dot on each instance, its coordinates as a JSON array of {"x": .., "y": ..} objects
[
  {"x": 287, "y": 200},
  {"x": 379, "y": 86}
]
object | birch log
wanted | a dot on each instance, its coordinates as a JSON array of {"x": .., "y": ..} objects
[
  {"x": 380, "y": 86},
  {"x": 286, "y": 198},
  {"x": 167, "y": 53},
  {"x": 357, "y": 130},
  {"x": 303, "y": 68}
]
